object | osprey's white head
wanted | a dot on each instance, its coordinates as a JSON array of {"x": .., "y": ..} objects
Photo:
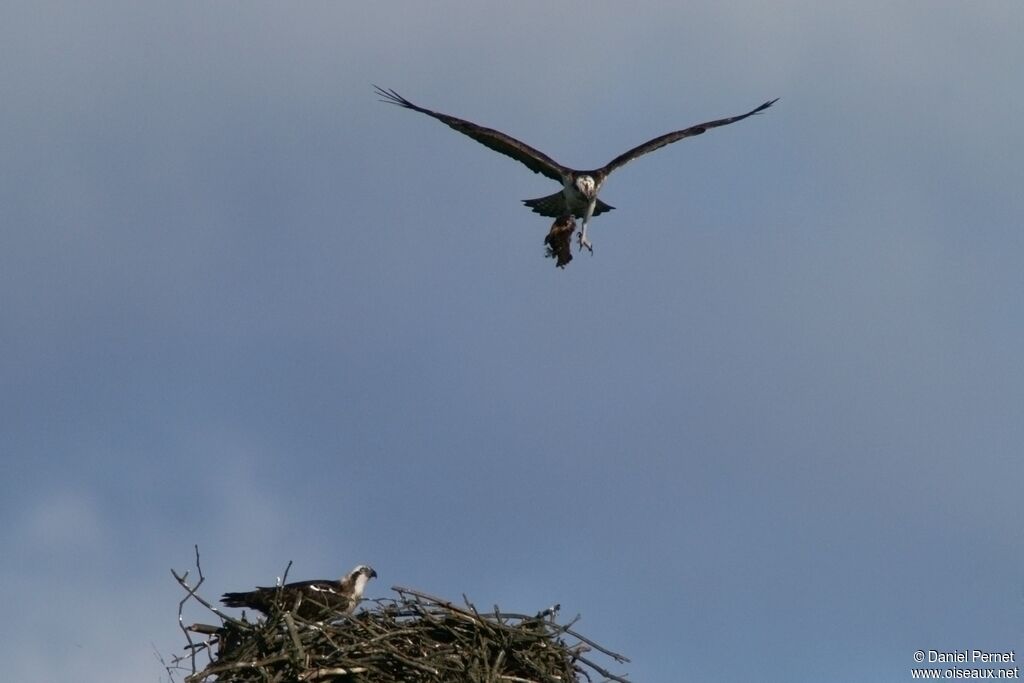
[
  {"x": 587, "y": 186},
  {"x": 357, "y": 579}
]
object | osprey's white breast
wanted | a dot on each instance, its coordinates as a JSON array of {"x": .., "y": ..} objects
[{"x": 357, "y": 591}]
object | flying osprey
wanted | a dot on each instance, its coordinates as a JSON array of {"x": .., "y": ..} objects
[
  {"x": 578, "y": 196},
  {"x": 318, "y": 599}
]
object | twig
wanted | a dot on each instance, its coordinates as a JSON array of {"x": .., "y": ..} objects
[
  {"x": 290, "y": 622},
  {"x": 189, "y": 593},
  {"x": 621, "y": 659},
  {"x": 603, "y": 672},
  {"x": 314, "y": 674}
]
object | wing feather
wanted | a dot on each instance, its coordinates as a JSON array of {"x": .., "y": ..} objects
[
  {"x": 669, "y": 138},
  {"x": 535, "y": 160}
]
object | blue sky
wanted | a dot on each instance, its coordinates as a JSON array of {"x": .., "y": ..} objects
[{"x": 771, "y": 430}]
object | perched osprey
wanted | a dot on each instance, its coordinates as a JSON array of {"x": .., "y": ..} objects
[
  {"x": 578, "y": 196},
  {"x": 317, "y": 599}
]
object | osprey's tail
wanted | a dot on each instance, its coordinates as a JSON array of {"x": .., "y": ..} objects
[
  {"x": 261, "y": 599},
  {"x": 553, "y": 206}
]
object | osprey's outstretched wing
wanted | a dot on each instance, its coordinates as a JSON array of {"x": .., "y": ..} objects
[
  {"x": 535, "y": 160},
  {"x": 669, "y": 138}
]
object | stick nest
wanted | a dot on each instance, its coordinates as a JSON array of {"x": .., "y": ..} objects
[{"x": 412, "y": 637}]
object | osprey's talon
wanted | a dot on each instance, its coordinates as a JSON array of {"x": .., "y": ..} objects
[{"x": 584, "y": 243}]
